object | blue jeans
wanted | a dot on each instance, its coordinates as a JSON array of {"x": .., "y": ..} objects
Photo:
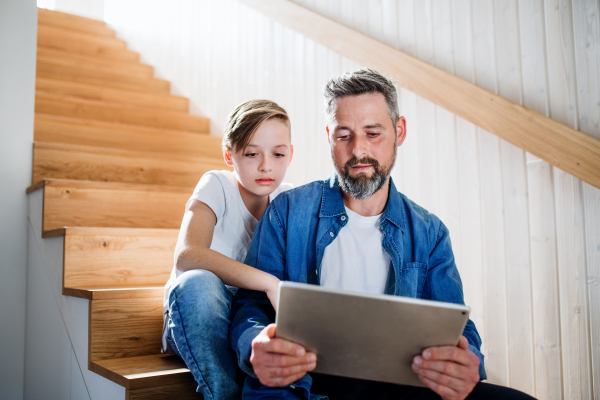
[{"x": 198, "y": 331}]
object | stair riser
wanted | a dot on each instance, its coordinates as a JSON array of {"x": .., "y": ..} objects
[
  {"x": 120, "y": 114},
  {"x": 66, "y": 21},
  {"x": 101, "y": 77},
  {"x": 53, "y": 129},
  {"x": 94, "y": 166},
  {"x": 54, "y": 56},
  {"x": 182, "y": 391},
  {"x": 103, "y": 93},
  {"x": 105, "y": 259},
  {"x": 75, "y": 205},
  {"x": 125, "y": 328},
  {"x": 102, "y": 47}
]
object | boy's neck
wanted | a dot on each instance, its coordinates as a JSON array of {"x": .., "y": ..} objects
[{"x": 255, "y": 204}]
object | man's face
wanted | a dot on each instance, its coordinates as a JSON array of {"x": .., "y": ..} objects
[{"x": 363, "y": 143}]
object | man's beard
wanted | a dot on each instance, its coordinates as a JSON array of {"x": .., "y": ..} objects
[{"x": 362, "y": 187}]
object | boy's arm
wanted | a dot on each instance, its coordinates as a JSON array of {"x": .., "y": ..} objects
[
  {"x": 251, "y": 311},
  {"x": 193, "y": 252}
]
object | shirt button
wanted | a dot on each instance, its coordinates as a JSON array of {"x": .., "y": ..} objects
[
  {"x": 331, "y": 234},
  {"x": 293, "y": 386},
  {"x": 343, "y": 217}
]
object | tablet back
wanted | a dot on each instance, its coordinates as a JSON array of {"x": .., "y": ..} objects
[{"x": 366, "y": 336}]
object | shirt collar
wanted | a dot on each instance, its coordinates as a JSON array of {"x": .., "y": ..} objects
[{"x": 332, "y": 204}]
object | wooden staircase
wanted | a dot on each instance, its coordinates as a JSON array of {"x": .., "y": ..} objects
[{"x": 117, "y": 157}]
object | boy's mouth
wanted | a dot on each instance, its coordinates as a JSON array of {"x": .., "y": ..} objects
[{"x": 265, "y": 181}]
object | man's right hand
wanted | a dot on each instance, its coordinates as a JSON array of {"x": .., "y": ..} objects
[{"x": 278, "y": 362}]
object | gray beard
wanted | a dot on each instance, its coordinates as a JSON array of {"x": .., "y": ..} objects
[{"x": 362, "y": 187}]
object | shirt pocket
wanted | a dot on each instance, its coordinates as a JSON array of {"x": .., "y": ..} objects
[{"x": 412, "y": 279}]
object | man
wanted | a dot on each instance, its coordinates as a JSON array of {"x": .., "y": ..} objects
[{"x": 355, "y": 231}]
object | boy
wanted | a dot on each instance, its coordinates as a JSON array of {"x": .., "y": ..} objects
[{"x": 215, "y": 234}]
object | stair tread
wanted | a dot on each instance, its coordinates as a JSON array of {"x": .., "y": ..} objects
[
  {"x": 44, "y": 12},
  {"x": 115, "y": 292},
  {"x": 81, "y": 36},
  {"x": 143, "y": 371},
  {"x": 78, "y": 183}
]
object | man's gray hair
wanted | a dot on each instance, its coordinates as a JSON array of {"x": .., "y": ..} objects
[{"x": 359, "y": 82}]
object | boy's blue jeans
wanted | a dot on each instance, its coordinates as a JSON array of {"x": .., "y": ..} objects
[{"x": 198, "y": 330}]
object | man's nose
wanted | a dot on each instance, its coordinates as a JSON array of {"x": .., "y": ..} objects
[{"x": 360, "y": 146}]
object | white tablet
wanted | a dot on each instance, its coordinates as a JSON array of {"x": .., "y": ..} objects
[{"x": 366, "y": 336}]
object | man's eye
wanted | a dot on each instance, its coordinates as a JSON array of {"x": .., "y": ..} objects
[
  {"x": 343, "y": 137},
  {"x": 373, "y": 134}
]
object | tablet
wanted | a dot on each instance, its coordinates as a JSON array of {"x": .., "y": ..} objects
[{"x": 366, "y": 336}]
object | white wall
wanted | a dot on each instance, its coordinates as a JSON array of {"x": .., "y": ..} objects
[
  {"x": 85, "y": 8},
  {"x": 525, "y": 234},
  {"x": 18, "y": 33}
]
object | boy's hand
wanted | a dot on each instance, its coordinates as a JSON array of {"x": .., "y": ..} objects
[
  {"x": 278, "y": 362},
  {"x": 451, "y": 372}
]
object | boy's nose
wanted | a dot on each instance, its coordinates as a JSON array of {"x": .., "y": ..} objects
[{"x": 264, "y": 166}]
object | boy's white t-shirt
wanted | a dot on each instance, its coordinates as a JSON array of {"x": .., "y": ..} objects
[
  {"x": 235, "y": 225},
  {"x": 356, "y": 260}
]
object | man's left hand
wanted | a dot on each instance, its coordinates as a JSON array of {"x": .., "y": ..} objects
[{"x": 451, "y": 372}]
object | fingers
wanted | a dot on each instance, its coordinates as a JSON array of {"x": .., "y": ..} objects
[
  {"x": 447, "y": 353},
  {"x": 444, "y": 391},
  {"x": 463, "y": 343},
  {"x": 270, "y": 330}
]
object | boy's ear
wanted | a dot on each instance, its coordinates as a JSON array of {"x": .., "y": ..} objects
[
  {"x": 227, "y": 158},
  {"x": 291, "y": 154}
]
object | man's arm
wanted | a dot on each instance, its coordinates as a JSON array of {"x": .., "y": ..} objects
[
  {"x": 275, "y": 362},
  {"x": 452, "y": 372}
]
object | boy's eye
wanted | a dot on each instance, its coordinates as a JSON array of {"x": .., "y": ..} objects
[
  {"x": 250, "y": 154},
  {"x": 279, "y": 155}
]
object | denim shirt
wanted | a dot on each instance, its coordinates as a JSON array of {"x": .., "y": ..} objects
[{"x": 290, "y": 240}]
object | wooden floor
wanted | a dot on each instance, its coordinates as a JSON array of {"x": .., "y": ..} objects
[{"x": 117, "y": 156}]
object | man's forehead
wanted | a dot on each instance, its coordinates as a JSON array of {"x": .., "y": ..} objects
[{"x": 370, "y": 108}]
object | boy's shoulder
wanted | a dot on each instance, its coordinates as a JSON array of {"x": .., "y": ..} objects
[{"x": 306, "y": 194}]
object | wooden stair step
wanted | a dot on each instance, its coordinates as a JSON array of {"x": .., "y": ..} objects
[
  {"x": 105, "y": 204},
  {"x": 115, "y": 292},
  {"x": 87, "y": 91},
  {"x": 182, "y": 391},
  {"x": 79, "y": 42},
  {"x": 117, "y": 258},
  {"x": 67, "y": 161},
  {"x": 54, "y": 128},
  {"x": 69, "y": 21},
  {"x": 84, "y": 60},
  {"x": 110, "y": 78},
  {"x": 110, "y": 112},
  {"x": 144, "y": 371},
  {"x": 125, "y": 327}
]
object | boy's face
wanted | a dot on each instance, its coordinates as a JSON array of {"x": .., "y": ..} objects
[{"x": 261, "y": 166}]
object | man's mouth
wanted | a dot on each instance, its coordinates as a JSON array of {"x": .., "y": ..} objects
[{"x": 361, "y": 167}]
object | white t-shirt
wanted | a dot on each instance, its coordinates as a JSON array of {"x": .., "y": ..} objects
[
  {"x": 235, "y": 225},
  {"x": 356, "y": 259}
]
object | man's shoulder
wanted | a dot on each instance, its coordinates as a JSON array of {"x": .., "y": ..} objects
[{"x": 417, "y": 217}]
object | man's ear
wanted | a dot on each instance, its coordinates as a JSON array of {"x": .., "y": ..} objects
[
  {"x": 328, "y": 138},
  {"x": 291, "y": 154},
  {"x": 227, "y": 158},
  {"x": 400, "y": 131}
]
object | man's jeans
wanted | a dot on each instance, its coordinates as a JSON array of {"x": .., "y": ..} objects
[{"x": 199, "y": 307}]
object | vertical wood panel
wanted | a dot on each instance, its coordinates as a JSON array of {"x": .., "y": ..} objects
[
  {"x": 492, "y": 208},
  {"x": 587, "y": 61},
  {"x": 516, "y": 226},
  {"x": 542, "y": 233}
]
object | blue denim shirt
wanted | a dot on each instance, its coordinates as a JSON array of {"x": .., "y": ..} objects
[{"x": 290, "y": 240}]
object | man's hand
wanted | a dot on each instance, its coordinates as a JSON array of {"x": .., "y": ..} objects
[
  {"x": 278, "y": 362},
  {"x": 451, "y": 372}
]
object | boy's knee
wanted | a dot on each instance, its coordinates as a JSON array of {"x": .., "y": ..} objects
[{"x": 198, "y": 282}]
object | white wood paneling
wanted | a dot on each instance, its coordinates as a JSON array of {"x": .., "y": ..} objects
[{"x": 526, "y": 235}]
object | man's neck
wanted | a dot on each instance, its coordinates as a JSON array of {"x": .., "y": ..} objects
[{"x": 374, "y": 205}]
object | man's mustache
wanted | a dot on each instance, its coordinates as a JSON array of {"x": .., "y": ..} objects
[{"x": 364, "y": 160}]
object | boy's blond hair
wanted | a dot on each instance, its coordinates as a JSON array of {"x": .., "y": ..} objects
[{"x": 245, "y": 119}]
